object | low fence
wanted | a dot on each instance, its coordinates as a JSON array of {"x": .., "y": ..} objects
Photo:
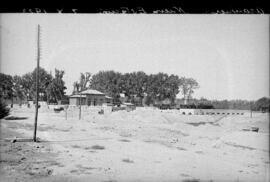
[
  {"x": 73, "y": 110},
  {"x": 109, "y": 109},
  {"x": 214, "y": 111}
]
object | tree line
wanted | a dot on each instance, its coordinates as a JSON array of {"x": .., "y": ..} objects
[
  {"x": 51, "y": 88},
  {"x": 137, "y": 86},
  {"x": 261, "y": 104}
]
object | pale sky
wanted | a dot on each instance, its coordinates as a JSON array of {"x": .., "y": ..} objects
[{"x": 227, "y": 54}]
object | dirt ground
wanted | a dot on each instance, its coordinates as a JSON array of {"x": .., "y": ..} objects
[{"x": 142, "y": 145}]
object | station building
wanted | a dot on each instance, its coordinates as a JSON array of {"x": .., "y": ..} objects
[{"x": 90, "y": 97}]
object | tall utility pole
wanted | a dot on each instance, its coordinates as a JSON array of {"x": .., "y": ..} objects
[{"x": 37, "y": 84}]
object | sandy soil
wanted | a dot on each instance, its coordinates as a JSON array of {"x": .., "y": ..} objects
[{"x": 142, "y": 145}]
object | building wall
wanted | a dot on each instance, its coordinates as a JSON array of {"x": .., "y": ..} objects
[
  {"x": 90, "y": 100},
  {"x": 95, "y": 100},
  {"x": 73, "y": 101},
  {"x": 109, "y": 101}
]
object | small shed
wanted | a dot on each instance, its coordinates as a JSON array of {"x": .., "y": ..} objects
[
  {"x": 89, "y": 97},
  {"x": 75, "y": 99}
]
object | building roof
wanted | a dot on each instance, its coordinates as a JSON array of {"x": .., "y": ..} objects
[
  {"x": 77, "y": 96},
  {"x": 91, "y": 92}
]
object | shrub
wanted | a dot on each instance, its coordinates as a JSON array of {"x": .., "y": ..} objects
[{"x": 4, "y": 110}]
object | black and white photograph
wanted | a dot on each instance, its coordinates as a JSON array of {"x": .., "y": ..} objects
[{"x": 137, "y": 97}]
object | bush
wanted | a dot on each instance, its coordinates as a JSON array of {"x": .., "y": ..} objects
[{"x": 4, "y": 110}]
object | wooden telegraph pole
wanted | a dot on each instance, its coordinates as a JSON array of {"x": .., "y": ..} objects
[{"x": 37, "y": 84}]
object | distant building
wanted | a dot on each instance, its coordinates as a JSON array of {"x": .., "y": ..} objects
[
  {"x": 123, "y": 98},
  {"x": 109, "y": 100},
  {"x": 129, "y": 106},
  {"x": 90, "y": 97},
  {"x": 75, "y": 99}
]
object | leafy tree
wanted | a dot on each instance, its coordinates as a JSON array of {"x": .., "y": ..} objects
[
  {"x": 108, "y": 82},
  {"x": 18, "y": 90},
  {"x": 6, "y": 85},
  {"x": 134, "y": 86},
  {"x": 157, "y": 88},
  {"x": 50, "y": 88},
  {"x": 152, "y": 88},
  {"x": 56, "y": 89},
  {"x": 187, "y": 86},
  {"x": 262, "y": 104},
  {"x": 161, "y": 91},
  {"x": 128, "y": 85},
  {"x": 162, "y": 87},
  {"x": 27, "y": 81},
  {"x": 28, "y": 84},
  {"x": 171, "y": 87},
  {"x": 83, "y": 83},
  {"x": 4, "y": 111},
  {"x": 138, "y": 87},
  {"x": 44, "y": 81}
]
